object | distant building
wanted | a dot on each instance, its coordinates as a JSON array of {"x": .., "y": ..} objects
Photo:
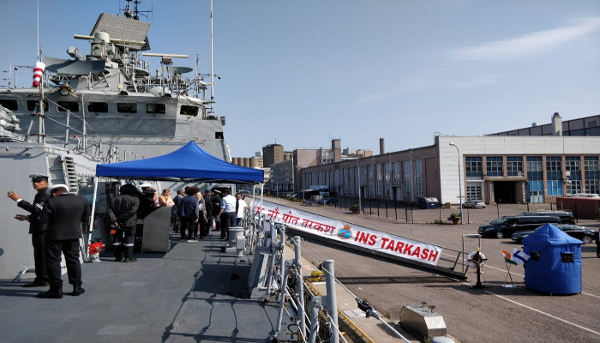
[
  {"x": 272, "y": 153},
  {"x": 493, "y": 169},
  {"x": 288, "y": 171},
  {"x": 587, "y": 126},
  {"x": 510, "y": 167}
]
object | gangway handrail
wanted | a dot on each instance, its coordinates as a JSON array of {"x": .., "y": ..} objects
[{"x": 448, "y": 272}]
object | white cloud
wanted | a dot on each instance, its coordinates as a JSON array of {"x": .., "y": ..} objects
[{"x": 530, "y": 44}]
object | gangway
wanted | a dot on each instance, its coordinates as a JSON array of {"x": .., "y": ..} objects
[{"x": 368, "y": 242}]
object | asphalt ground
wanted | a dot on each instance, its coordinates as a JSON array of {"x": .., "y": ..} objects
[{"x": 503, "y": 311}]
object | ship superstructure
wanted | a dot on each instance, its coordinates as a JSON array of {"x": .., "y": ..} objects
[{"x": 105, "y": 106}]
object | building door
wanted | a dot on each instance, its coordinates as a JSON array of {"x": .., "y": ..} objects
[
  {"x": 474, "y": 191},
  {"x": 505, "y": 192},
  {"x": 534, "y": 190}
]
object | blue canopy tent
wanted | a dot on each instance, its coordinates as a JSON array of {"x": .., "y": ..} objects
[
  {"x": 554, "y": 266},
  {"x": 188, "y": 163}
]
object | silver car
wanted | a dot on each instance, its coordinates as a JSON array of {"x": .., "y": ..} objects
[{"x": 474, "y": 204}]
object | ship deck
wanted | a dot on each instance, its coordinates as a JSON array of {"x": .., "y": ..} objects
[{"x": 193, "y": 293}]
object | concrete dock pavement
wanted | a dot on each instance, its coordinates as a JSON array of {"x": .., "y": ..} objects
[{"x": 352, "y": 320}]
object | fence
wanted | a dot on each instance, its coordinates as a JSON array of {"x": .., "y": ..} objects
[{"x": 411, "y": 213}]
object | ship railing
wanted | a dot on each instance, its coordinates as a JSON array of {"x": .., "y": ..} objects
[{"x": 316, "y": 316}]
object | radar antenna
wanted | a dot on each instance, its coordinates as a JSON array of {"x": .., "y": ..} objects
[{"x": 135, "y": 13}]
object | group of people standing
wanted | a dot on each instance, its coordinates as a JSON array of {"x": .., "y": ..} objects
[
  {"x": 199, "y": 213},
  {"x": 55, "y": 221},
  {"x": 57, "y": 217}
]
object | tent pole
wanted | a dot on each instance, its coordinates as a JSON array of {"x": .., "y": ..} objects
[{"x": 92, "y": 218}]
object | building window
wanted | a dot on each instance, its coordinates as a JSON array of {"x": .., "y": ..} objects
[
  {"x": 514, "y": 166},
  {"x": 363, "y": 175},
  {"x": 554, "y": 187},
  {"x": 396, "y": 173},
  {"x": 388, "y": 177},
  {"x": 371, "y": 181},
  {"x": 590, "y": 167},
  {"x": 407, "y": 178},
  {"x": 574, "y": 187},
  {"x": 351, "y": 182},
  {"x": 418, "y": 178},
  {"x": 379, "y": 180},
  {"x": 553, "y": 168},
  {"x": 535, "y": 171},
  {"x": 573, "y": 169},
  {"x": 474, "y": 168},
  {"x": 494, "y": 167}
]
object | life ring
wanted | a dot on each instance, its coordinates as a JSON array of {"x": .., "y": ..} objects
[{"x": 472, "y": 263}]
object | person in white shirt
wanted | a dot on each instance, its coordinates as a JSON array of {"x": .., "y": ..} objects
[
  {"x": 240, "y": 208},
  {"x": 227, "y": 213}
]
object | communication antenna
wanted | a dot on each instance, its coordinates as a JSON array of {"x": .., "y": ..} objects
[{"x": 135, "y": 13}]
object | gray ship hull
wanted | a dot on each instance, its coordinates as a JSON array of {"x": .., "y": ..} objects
[{"x": 17, "y": 162}]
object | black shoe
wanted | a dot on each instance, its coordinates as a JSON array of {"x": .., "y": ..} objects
[
  {"x": 130, "y": 259},
  {"x": 36, "y": 284},
  {"x": 77, "y": 291},
  {"x": 50, "y": 295}
]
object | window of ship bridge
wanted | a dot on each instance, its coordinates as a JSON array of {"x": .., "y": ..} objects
[
  {"x": 126, "y": 107},
  {"x": 189, "y": 110},
  {"x": 98, "y": 107},
  {"x": 64, "y": 106},
  {"x": 155, "y": 109},
  {"x": 33, "y": 105},
  {"x": 9, "y": 104}
]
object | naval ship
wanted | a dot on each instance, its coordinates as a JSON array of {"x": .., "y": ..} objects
[{"x": 105, "y": 106}]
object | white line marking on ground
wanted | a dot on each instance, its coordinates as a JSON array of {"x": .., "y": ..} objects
[
  {"x": 540, "y": 312},
  {"x": 522, "y": 275}
]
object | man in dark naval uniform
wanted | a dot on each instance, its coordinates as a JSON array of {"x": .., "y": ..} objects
[
  {"x": 122, "y": 214},
  {"x": 65, "y": 215},
  {"x": 36, "y": 228}
]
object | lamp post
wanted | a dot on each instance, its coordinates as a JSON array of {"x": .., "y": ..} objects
[{"x": 459, "y": 182}]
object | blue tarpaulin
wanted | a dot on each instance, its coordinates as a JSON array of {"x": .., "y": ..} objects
[
  {"x": 554, "y": 265},
  {"x": 188, "y": 163}
]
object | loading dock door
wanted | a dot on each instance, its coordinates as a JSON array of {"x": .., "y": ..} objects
[{"x": 505, "y": 192}]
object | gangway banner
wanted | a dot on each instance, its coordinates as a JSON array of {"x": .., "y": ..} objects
[{"x": 351, "y": 234}]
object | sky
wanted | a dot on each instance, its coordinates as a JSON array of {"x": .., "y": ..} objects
[{"x": 301, "y": 73}]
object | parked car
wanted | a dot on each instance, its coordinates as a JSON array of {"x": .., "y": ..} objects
[
  {"x": 580, "y": 232},
  {"x": 506, "y": 226},
  {"x": 566, "y": 217},
  {"x": 474, "y": 204}
]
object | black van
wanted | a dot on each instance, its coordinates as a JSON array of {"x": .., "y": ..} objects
[
  {"x": 566, "y": 217},
  {"x": 506, "y": 226}
]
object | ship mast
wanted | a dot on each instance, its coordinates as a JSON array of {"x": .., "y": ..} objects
[
  {"x": 41, "y": 128},
  {"x": 212, "y": 58}
]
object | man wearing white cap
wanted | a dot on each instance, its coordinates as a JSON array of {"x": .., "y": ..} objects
[
  {"x": 65, "y": 214},
  {"x": 36, "y": 228}
]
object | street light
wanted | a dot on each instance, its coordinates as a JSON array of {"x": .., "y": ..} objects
[{"x": 459, "y": 182}]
